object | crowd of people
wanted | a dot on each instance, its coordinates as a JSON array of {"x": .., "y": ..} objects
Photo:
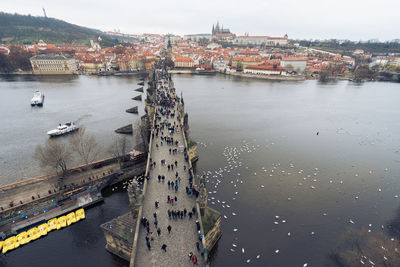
[{"x": 166, "y": 124}]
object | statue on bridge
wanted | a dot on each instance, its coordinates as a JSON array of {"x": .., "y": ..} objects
[{"x": 203, "y": 194}]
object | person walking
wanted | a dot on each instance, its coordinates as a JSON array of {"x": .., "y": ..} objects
[
  {"x": 194, "y": 260},
  {"x": 156, "y": 204},
  {"x": 198, "y": 246},
  {"x": 164, "y": 247},
  {"x": 158, "y": 231},
  {"x": 190, "y": 256},
  {"x": 148, "y": 244},
  {"x": 169, "y": 229},
  {"x": 151, "y": 236}
]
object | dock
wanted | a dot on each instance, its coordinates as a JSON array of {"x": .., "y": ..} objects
[{"x": 33, "y": 200}]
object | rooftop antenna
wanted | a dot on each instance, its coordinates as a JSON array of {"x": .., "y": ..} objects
[{"x": 44, "y": 12}]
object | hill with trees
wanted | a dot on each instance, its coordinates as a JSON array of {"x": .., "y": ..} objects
[{"x": 21, "y": 29}]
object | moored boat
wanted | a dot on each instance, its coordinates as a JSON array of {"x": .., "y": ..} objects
[
  {"x": 71, "y": 218},
  {"x": 9, "y": 244},
  {"x": 203, "y": 71},
  {"x": 22, "y": 238},
  {"x": 80, "y": 214},
  {"x": 61, "y": 222},
  {"x": 43, "y": 229},
  {"x": 52, "y": 224}
]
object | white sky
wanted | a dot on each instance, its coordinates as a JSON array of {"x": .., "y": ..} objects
[{"x": 303, "y": 19}]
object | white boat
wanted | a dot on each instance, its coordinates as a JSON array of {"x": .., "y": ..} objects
[
  {"x": 63, "y": 129},
  {"x": 37, "y": 99}
]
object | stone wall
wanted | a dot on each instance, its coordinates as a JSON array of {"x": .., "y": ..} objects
[
  {"x": 213, "y": 235},
  {"x": 119, "y": 233}
]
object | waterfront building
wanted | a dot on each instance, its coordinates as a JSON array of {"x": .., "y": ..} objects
[
  {"x": 53, "y": 64},
  {"x": 243, "y": 62},
  {"x": 220, "y": 65},
  {"x": 184, "y": 62},
  {"x": 92, "y": 65},
  {"x": 296, "y": 63},
  {"x": 265, "y": 70}
]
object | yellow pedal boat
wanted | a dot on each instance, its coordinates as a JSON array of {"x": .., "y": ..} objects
[
  {"x": 80, "y": 214},
  {"x": 61, "y": 222},
  {"x": 9, "y": 244},
  {"x": 33, "y": 233},
  {"x": 22, "y": 239},
  {"x": 43, "y": 229},
  {"x": 71, "y": 218},
  {"x": 52, "y": 224}
]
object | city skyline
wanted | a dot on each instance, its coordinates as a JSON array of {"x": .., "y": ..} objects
[{"x": 306, "y": 20}]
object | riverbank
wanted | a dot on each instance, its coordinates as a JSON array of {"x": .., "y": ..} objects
[
  {"x": 268, "y": 77},
  {"x": 113, "y": 73},
  {"x": 40, "y": 196}
]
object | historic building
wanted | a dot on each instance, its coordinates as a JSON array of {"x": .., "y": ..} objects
[
  {"x": 297, "y": 64},
  {"x": 265, "y": 70},
  {"x": 53, "y": 64},
  {"x": 219, "y": 30},
  {"x": 184, "y": 62},
  {"x": 261, "y": 40}
]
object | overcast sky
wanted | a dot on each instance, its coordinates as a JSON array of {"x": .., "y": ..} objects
[{"x": 300, "y": 19}]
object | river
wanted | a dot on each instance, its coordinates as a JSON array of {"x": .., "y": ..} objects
[{"x": 292, "y": 165}]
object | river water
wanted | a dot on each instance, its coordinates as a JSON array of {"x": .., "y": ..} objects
[{"x": 292, "y": 165}]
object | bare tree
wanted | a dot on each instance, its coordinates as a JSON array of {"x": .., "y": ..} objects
[
  {"x": 54, "y": 155},
  {"x": 85, "y": 145},
  {"x": 119, "y": 148},
  {"x": 289, "y": 68}
]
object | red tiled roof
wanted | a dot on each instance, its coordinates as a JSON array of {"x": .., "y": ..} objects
[{"x": 184, "y": 59}]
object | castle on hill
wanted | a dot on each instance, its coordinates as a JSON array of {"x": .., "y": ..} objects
[{"x": 219, "y": 30}]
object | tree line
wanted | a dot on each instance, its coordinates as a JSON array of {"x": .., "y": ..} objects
[{"x": 18, "y": 59}]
